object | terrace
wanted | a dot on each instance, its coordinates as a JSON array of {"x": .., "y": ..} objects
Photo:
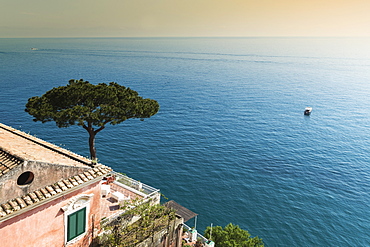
[
  {"x": 191, "y": 236},
  {"x": 119, "y": 189}
]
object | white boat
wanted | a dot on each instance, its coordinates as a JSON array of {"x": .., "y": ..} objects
[
  {"x": 307, "y": 111},
  {"x": 34, "y": 49}
]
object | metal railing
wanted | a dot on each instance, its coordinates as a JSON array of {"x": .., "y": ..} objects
[
  {"x": 199, "y": 236},
  {"x": 144, "y": 189},
  {"x": 147, "y": 192}
]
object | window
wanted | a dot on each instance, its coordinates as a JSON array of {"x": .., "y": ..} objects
[
  {"x": 76, "y": 224},
  {"x": 76, "y": 213},
  {"x": 25, "y": 178}
]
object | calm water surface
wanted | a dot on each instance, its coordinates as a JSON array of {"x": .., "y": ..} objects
[{"x": 230, "y": 141}]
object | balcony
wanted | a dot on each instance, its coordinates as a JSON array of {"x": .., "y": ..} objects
[
  {"x": 119, "y": 189},
  {"x": 191, "y": 240}
]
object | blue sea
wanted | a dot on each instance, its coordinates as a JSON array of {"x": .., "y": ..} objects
[{"x": 230, "y": 141}]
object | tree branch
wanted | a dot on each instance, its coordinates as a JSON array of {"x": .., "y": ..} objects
[{"x": 101, "y": 128}]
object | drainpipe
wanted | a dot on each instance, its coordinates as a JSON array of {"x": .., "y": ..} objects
[{"x": 92, "y": 227}]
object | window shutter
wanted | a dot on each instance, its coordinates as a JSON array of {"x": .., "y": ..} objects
[
  {"x": 76, "y": 224},
  {"x": 81, "y": 221}
]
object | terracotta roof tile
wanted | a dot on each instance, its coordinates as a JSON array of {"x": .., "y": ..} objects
[
  {"x": 21, "y": 203},
  {"x": 78, "y": 179},
  {"x": 27, "y": 199},
  {"x": 7, "y": 208},
  {"x": 73, "y": 181},
  {"x": 62, "y": 185},
  {"x": 92, "y": 173},
  {"x": 67, "y": 183},
  {"x": 51, "y": 190},
  {"x": 57, "y": 188},
  {"x": 40, "y": 195},
  {"x": 18, "y": 147},
  {"x": 45, "y": 192},
  {"x": 88, "y": 175},
  {"x": 2, "y": 212},
  {"x": 14, "y": 205},
  {"x": 34, "y": 197},
  {"x": 8, "y": 161},
  {"x": 83, "y": 177}
]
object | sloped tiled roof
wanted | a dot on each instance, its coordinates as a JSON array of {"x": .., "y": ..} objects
[
  {"x": 7, "y": 162},
  {"x": 17, "y": 146},
  {"x": 20, "y": 203},
  {"x": 29, "y": 147}
]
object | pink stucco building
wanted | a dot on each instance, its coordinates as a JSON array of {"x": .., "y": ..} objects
[{"x": 50, "y": 196}]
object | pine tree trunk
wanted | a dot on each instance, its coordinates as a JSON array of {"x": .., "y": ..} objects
[
  {"x": 92, "y": 146},
  {"x": 92, "y": 134}
]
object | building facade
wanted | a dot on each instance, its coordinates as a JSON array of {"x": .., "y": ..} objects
[{"x": 50, "y": 196}]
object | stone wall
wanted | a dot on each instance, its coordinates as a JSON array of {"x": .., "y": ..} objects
[
  {"x": 168, "y": 237},
  {"x": 43, "y": 174}
]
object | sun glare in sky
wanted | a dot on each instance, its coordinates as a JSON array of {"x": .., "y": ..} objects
[{"x": 183, "y": 18}]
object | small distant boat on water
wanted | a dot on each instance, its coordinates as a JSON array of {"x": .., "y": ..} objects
[
  {"x": 307, "y": 110},
  {"x": 34, "y": 49}
]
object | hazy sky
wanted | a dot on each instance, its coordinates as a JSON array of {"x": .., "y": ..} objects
[{"x": 184, "y": 18}]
